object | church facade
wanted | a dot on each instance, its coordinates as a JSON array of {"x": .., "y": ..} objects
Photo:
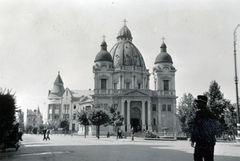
[{"x": 121, "y": 79}]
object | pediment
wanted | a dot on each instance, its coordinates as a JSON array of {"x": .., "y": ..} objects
[
  {"x": 135, "y": 93},
  {"x": 86, "y": 99}
]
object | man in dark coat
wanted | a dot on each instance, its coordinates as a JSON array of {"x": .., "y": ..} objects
[
  {"x": 204, "y": 131},
  {"x": 44, "y": 134},
  {"x": 48, "y": 132}
]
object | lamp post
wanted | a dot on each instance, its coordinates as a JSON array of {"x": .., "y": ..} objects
[{"x": 235, "y": 61}]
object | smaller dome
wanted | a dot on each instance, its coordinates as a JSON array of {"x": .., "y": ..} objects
[
  {"x": 124, "y": 33},
  {"x": 163, "y": 57},
  {"x": 103, "y": 55}
]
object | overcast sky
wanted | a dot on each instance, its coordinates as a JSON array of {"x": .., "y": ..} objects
[{"x": 40, "y": 38}]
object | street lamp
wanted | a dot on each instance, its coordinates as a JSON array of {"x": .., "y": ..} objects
[{"x": 235, "y": 61}]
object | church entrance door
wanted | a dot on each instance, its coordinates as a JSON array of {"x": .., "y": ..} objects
[{"x": 136, "y": 119}]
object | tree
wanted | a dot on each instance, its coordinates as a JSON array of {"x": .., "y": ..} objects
[
  {"x": 64, "y": 124},
  {"x": 230, "y": 117},
  {"x": 52, "y": 124},
  {"x": 217, "y": 104},
  {"x": 186, "y": 113},
  {"x": 98, "y": 117},
  {"x": 7, "y": 112},
  {"x": 82, "y": 117},
  {"x": 115, "y": 117},
  {"x": 41, "y": 128}
]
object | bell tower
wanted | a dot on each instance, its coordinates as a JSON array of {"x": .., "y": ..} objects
[{"x": 164, "y": 82}]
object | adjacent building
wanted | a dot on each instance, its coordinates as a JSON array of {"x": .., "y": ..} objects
[
  {"x": 34, "y": 119},
  {"x": 63, "y": 103}
]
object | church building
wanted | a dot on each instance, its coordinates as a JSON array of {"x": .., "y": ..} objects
[{"x": 122, "y": 79}]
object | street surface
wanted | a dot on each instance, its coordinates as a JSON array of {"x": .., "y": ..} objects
[{"x": 67, "y": 148}]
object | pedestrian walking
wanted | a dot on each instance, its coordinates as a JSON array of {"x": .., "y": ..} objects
[
  {"x": 44, "y": 134},
  {"x": 48, "y": 132},
  {"x": 117, "y": 133},
  {"x": 132, "y": 133},
  {"x": 205, "y": 127},
  {"x": 120, "y": 134}
]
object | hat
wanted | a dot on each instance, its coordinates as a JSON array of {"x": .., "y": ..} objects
[{"x": 202, "y": 98}]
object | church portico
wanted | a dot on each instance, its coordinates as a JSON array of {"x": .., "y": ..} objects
[{"x": 137, "y": 113}]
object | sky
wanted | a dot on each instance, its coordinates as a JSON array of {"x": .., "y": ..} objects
[{"x": 40, "y": 38}]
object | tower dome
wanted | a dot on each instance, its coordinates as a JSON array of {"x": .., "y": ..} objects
[
  {"x": 124, "y": 52},
  {"x": 124, "y": 34},
  {"x": 103, "y": 55},
  {"x": 58, "y": 88},
  {"x": 163, "y": 57}
]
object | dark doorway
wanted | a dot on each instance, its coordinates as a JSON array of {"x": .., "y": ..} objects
[
  {"x": 136, "y": 124},
  {"x": 136, "y": 119}
]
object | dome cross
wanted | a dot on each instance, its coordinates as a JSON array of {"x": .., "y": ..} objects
[
  {"x": 163, "y": 38},
  {"x": 125, "y": 22},
  {"x": 104, "y": 37}
]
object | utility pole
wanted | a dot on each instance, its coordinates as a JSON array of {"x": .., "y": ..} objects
[{"x": 235, "y": 61}]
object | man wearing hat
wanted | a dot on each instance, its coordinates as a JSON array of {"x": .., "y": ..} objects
[{"x": 204, "y": 131}]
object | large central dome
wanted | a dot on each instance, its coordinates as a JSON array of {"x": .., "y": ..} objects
[{"x": 124, "y": 52}]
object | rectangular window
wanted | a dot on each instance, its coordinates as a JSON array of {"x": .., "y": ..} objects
[
  {"x": 66, "y": 109},
  {"x": 127, "y": 85},
  {"x": 56, "y": 110},
  {"x": 50, "y": 116},
  {"x": 169, "y": 108},
  {"x": 105, "y": 106},
  {"x": 74, "y": 117},
  {"x": 154, "y": 107},
  {"x": 56, "y": 117},
  {"x": 88, "y": 108},
  {"x": 164, "y": 107},
  {"x": 115, "y": 86},
  {"x": 166, "y": 85},
  {"x": 103, "y": 84},
  {"x": 65, "y": 116},
  {"x": 50, "y": 109},
  {"x": 139, "y": 85}
]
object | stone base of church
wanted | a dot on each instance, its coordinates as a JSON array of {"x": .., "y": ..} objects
[
  {"x": 150, "y": 128},
  {"x": 143, "y": 127}
]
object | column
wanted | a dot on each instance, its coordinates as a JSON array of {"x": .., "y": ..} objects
[
  {"x": 123, "y": 87},
  {"x": 133, "y": 81},
  {"x": 174, "y": 119},
  {"x": 143, "y": 84},
  {"x": 123, "y": 113},
  {"x": 128, "y": 116},
  {"x": 120, "y": 82},
  {"x": 159, "y": 116},
  {"x": 143, "y": 116},
  {"x": 149, "y": 116}
]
